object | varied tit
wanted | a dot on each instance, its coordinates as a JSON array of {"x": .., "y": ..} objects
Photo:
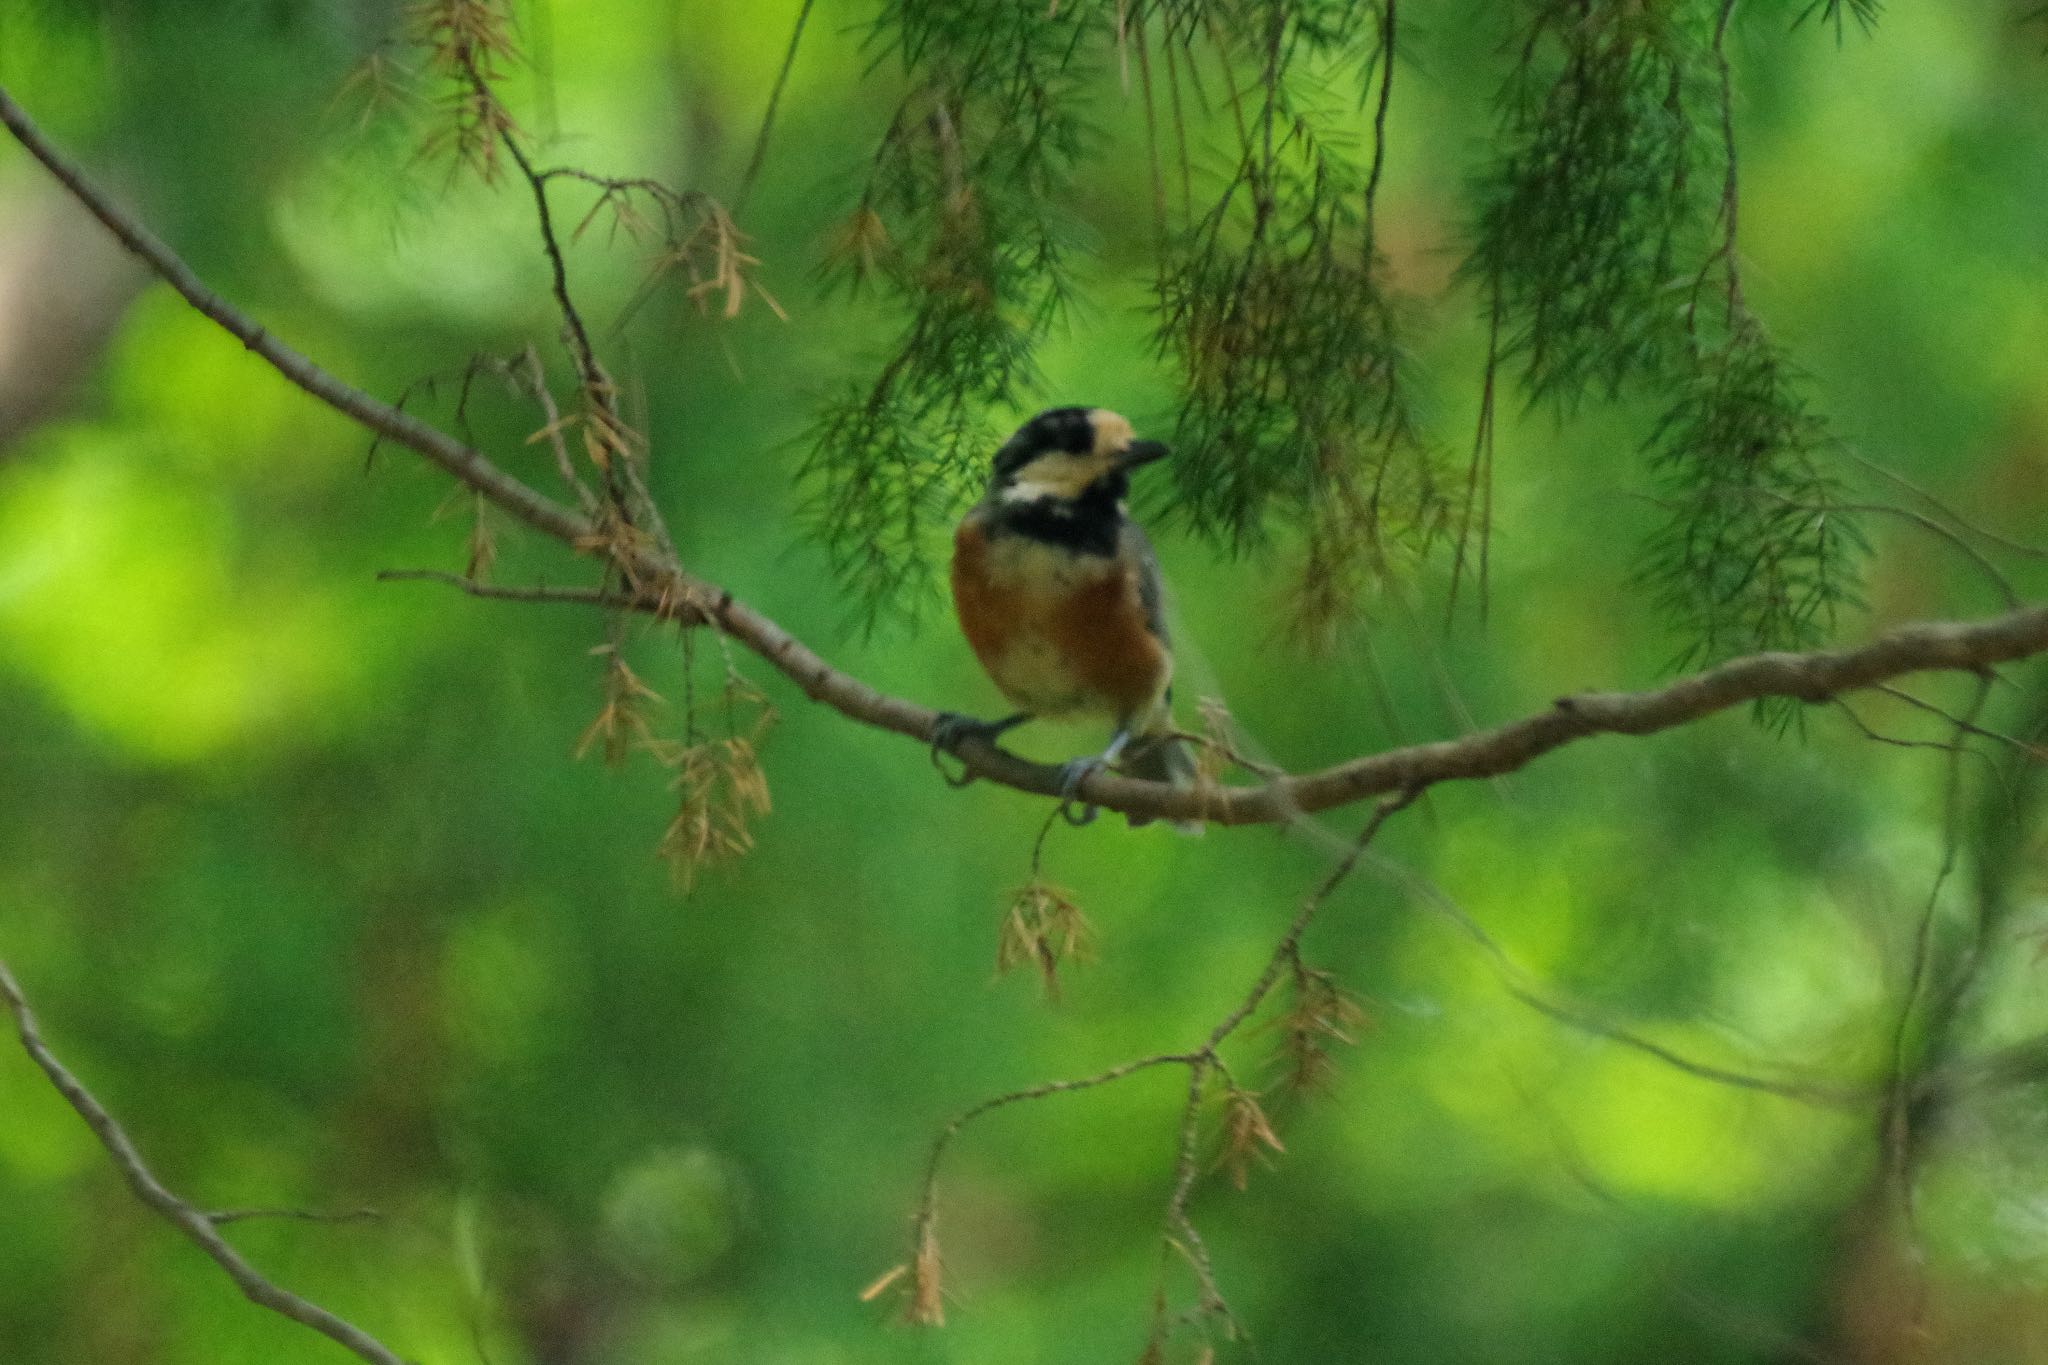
[{"x": 1059, "y": 593}]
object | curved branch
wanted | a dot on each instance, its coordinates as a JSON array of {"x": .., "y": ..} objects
[
  {"x": 466, "y": 464},
  {"x": 1819, "y": 676},
  {"x": 198, "y": 1226},
  {"x": 662, "y": 587},
  {"x": 538, "y": 592}
]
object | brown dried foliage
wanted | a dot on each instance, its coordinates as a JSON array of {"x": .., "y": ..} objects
[
  {"x": 695, "y": 239},
  {"x": 920, "y": 1281},
  {"x": 378, "y": 86},
  {"x": 621, "y": 722},
  {"x": 723, "y": 791},
  {"x": 482, "y": 546},
  {"x": 1247, "y": 1136},
  {"x": 859, "y": 247},
  {"x": 1213, "y": 755},
  {"x": 721, "y": 784},
  {"x": 1320, "y": 1014},
  {"x": 1045, "y": 929},
  {"x": 717, "y": 773},
  {"x": 925, "y": 1305},
  {"x": 467, "y": 47}
]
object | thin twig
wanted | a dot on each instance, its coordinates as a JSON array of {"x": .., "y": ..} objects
[
  {"x": 1949, "y": 534},
  {"x": 596, "y": 384},
  {"x": 222, "y": 1217},
  {"x": 1180, "y": 1231},
  {"x": 1895, "y": 1125},
  {"x": 2021, "y": 1063},
  {"x": 631, "y": 501},
  {"x": 1524, "y": 986},
  {"x": 1389, "y": 29},
  {"x": 197, "y": 1226},
  {"x": 760, "y": 155},
  {"x": 626, "y": 493},
  {"x": 1933, "y": 527},
  {"x": 1181, "y": 1234},
  {"x": 539, "y": 592},
  {"x": 457, "y": 459},
  {"x": 1879, "y": 737},
  {"x": 1963, "y": 723},
  {"x": 1159, "y": 230},
  {"x": 1479, "y": 469},
  {"x": 1586, "y": 1022},
  {"x": 1939, "y": 1078},
  {"x": 552, "y": 432},
  {"x": 1306, "y": 915},
  {"x": 928, "y": 1188},
  {"x": 1731, "y": 191},
  {"x": 1228, "y": 751},
  {"x": 1943, "y": 509},
  {"x": 1180, "y": 126}
]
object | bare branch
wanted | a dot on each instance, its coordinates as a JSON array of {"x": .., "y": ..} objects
[
  {"x": 537, "y": 383},
  {"x": 922, "y": 1268},
  {"x": 1526, "y": 988},
  {"x": 760, "y": 155},
  {"x": 1954, "y": 537},
  {"x": 452, "y": 456},
  {"x": 588, "y": 597},
  {"x": 1291, "y": 940},
  {"x": 2021, "y": 1063},
  {"x": 1896, "y": 1133},
  {"x": 1939, "y": 529},
  {"x": 1878, "y": 736},
  {"x": 220, "y": 1218},
  {"x": 199, "y": 1227},
  {"x": 661, "y": 585},
  {"x": 1942, "y": 509},
  {"x": 1180, "y": 1233},
  {"x": 596, "y": 384},
  {"x": 1964, "y": 724},
  {"x": 1804, "y": 1092}
]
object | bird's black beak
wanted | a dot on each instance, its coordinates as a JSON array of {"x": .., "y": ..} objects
[{"x": 1141, "y": 452}]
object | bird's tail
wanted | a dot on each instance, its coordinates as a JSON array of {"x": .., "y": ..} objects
[{"x": 1162, "y": 758}]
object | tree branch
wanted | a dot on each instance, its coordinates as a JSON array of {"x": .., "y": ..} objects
[
  {"x": 1970, "y": 647},
  {"x": 1178, "y": 1229},
  {"x": 451, "y": 455},
  {"x": 539, "y": 592},
  {"x": 754, "y": 162},
  {"x": 1526, "y": 988},
  {"x": 661, "y": 586},
  {"x": 220, "y": 1218},
  {"x": 198, "y": 1226}
]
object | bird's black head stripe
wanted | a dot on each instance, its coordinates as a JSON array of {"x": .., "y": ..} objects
[{"x": 1054, "y": 429}]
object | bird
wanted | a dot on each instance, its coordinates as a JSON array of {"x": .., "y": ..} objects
[{"x": 1059, "y": 594}]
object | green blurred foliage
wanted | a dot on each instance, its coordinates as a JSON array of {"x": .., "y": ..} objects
[{"x": 304, "y": 881}]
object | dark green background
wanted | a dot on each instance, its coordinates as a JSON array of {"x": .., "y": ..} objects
[{"x": 303, "y": 879}]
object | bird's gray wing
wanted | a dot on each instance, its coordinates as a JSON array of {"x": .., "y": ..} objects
[
  {"x": 1158, "y": 755},
  {"x": 1151, "y": 588}
]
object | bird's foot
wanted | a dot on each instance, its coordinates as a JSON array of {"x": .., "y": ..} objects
[
  {"x": 1073, "y": 773},
  {"x": 952, "y": 727}
]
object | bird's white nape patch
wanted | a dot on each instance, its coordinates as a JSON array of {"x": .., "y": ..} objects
[{"x": 1058, "y": 475}]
